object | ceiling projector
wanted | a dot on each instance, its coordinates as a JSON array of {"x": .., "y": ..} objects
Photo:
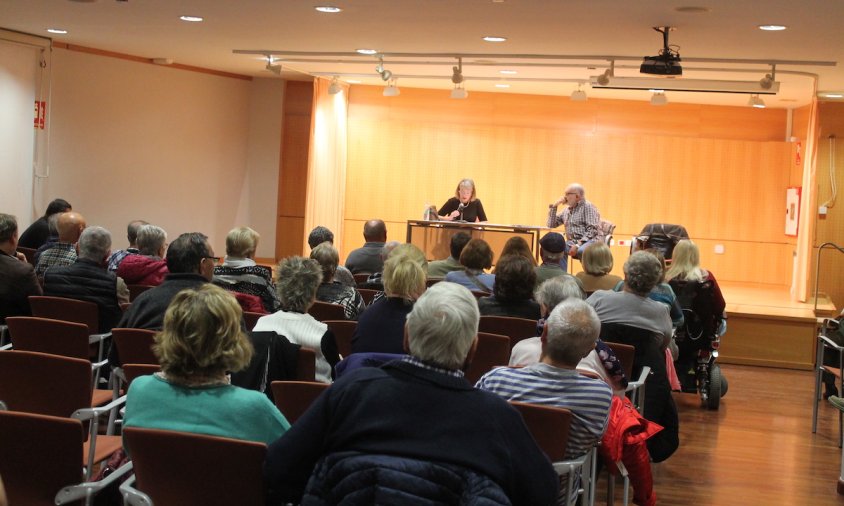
[{"x": 667, "y": 62}]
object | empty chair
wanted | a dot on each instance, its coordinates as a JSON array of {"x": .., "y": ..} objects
[
  {"x": 514, "y": 328},
  {"x": 46, "y": 335},
  {"x": 134, "y": 345},
  {"x": 71, "y": 310},
  {"x": 192, "y": 469},
  {"x": 293, "y": 398},
  {"x": 343, "y": 331},
  {"x": 323, "y": 311},
  {"x": 492, "y": 350}
]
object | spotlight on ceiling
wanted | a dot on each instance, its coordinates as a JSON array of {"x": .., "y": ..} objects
[
  {"x": 756, "y": 102},
  {"x": 767, "y": 82},
  {"x": 272, "y": 66},
  {"x": 604, "y": 79},
  {"x": 579, "y": 95},
  {"x": 658, "y": 97},
  {"x": 385, "y": 74},
  {"x": 334, "y": 88},
  {"x": 392, "y": 89},
  {"x": 457, "y": 72},
  {"x": 459, "y": 92}
]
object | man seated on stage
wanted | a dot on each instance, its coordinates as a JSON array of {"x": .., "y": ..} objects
[
  {"x": 367, "y": 259},
  {"x": 17, "y": 277},
  {"x": 69, "y": 225},
  {"x": 439, "y": 268},
  {"x": 322, "y": 234},
  {"x": 580, "y": 217},
  {"x": 417, "y": 414}
]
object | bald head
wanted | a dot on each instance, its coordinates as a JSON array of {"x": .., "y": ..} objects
[
  {"x": 375, "y": 231},
  {"x": 70, "y": 226}
]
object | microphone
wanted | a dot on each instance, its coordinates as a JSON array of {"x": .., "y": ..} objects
[{"x": 460, "y": 208}]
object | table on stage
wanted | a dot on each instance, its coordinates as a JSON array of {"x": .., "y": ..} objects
[{"x": 434, "y": 237}]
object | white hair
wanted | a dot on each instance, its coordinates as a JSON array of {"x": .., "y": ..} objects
[
  {"x": 94, "y": 243},
  {"x": 443, "y": 325},
  {"x": 150, "y": 239},
  {"x": 577, "y": 187},
  {"x": 572, "y": 331},
  {"x": 557, "y": 289}
]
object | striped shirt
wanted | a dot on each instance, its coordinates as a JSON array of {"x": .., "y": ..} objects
[{"x": 583, "y": 222}]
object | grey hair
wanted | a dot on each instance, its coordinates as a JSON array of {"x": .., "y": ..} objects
[
  {"x": 298, "y": 280},
  {"x": 557, "y": 289},
  {"x": 328, "y": 258},
  {"x": 8, "y": 227},
  {"x": 53, "y": 223},
  {"x": 642, "y": 272},
  {"x": 150, "y": 239},
  {"x": 572, "y": 331},
  {"x": 443, "y": 325},
  {"x": 94, "y": 243},
  {"x": 577, "y": 187},
  {"x": 388, "y": 248}
]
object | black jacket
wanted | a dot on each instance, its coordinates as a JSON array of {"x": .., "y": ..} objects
[{"x": 86, "y": 280}]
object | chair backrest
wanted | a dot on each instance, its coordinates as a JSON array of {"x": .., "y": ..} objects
[
  {"x": 368, "y": 295},
  {"x": 514, "y": 328},
  {"x": 134, "y": 346},
  {"x": 699, "y": 315},
  {"x": 306, "y": 365},
  {"x": 549, "y": 426},
  {"x": 44, "y": 384},
  {"x": 185, "y": 468},
  {"x": 343, "y": 331},
  {"x": 132, "y": 371},
  {"x": 361, "y": 278},
  {"x": 607, "y": 228},
  {"x": 647, "y": 349},
  {"x": 323, "y": 311},
  {"x": 41, "y": 454},
  {"x": 135, "y": 290},
  {"x": 45, "y": 335},
  {"x": 432, "y": 281},
  {"x": 293, "y": 398},
  {"x": 625, "y": 354},
  {"x": 29, "y": 253},
  {"x": 478, "y": 294},
  {"x": 492, "y": 350},
  {"x": 251, "y": 319},
  {"x": 69, "y": 310}
]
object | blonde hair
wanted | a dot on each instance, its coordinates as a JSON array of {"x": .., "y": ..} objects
[
  {"x": 403, "y": 277},
  {"x": 328, "y": 258},
  {"x": 685, "y": 263},
  {"x": 242, "y": 242},
  {"x": 202, "y": 334},
  {"x": 466, "y": 183},
  {"x": 597, "y": 259}
]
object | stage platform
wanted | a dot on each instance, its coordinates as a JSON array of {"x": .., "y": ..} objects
[{"x": 766, "y": 328}]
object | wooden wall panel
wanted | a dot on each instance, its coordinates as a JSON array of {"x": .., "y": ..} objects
[
  {"x": 292, "y": 180},
  {"x": 831, "y": 227}
]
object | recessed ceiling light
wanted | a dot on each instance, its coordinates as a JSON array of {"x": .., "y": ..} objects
[
  {"x": 693, "y": 9},
  {"x": 656, "y": 91},
  {"x": 832, "y": 95},
  {"x": 366, "y": 51},
  {"x": 352, "y": 81},
  {"x": 57, "y": 30},
  {"x": 502, "y": 85},
  {"x": 772, "y": 28},
  {"x": 328, "y": 8},
  {"x": 494, "y": 38},
  {"x": 507, "y": 72},
  {"x": 192, "y": 19}
]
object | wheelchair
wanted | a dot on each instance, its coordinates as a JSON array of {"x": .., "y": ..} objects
[
  {"x": 659, "y": 236},
  {"x": 698, "y": 340}
]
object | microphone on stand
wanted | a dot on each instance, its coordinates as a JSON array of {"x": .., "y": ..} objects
[{"x": 460, "y": 209}]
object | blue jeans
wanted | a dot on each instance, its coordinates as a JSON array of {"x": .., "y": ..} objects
[{"x": 579, "y": 255}]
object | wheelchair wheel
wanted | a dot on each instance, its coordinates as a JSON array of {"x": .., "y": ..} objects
[
  {"x": 713, "y": 400},
  {"x": 724, "y": 385}
]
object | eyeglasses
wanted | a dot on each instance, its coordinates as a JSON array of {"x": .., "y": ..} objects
[
  {"x": 571, "y": 193},
  {"x": 215, "y": 259}
]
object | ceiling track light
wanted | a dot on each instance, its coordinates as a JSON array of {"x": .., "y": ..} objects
[
  {"x": 683, "y": 84},
  {"x": 459, "y": 91},
  {"x": 659, "y": 98},
  {"x": 272, "y": 66},
  {"x": 385, "y": 74},
  {"x": 457, "y": 72},
  {"x": 756, "y": 102},
  {"x": 392, "y": 89},
  {"x": 335, "y": 87},
  {"x": 579, "y": 95}
]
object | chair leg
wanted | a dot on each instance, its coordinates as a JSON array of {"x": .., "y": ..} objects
[
  {"x": 816, "y": 400},
  {"x": 611, "y": 486}
]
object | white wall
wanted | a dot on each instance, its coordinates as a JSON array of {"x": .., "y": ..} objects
[{"x": 138, "y": 141}]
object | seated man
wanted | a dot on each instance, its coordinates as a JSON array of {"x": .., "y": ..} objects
[
  {"x": 375, "y": 281},
  {"x": 552, "y": 251},
  {"x": 580, "y": 217},
  {"x": 439, "y": 268},
  {"x": 367, "y": 259},
  {"x": 320, "y": 235},
  {"x": 132, "y": 236},
  {"x": 88, "y": 279},
  {"x": 17, "y": 277},
  {"x": 69, "y": 225},
  {"x": 419, "y": 410},
  {"x": 146, "y": 267}
]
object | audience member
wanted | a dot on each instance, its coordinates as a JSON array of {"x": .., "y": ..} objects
[
  {"x": 475, "y": 257},
  {"x": 367, "y": 259},
  {"x": 70, "y": 225},
  {"x": 88, "y": 279},
  {"x": 375, "y": 281},
  {"x": 570, "y": 335},
  {"x": 17, "y": 277},
  {"x": 298, "y": 280},
  {"x": 38, "y": 233},
  {"x": 190, "y": 261},
  {"x": 664, "y": 294},
  {"x": 333, "y": 291},
  {"x": 320, "y": 235},
  {"x": 147, "y": 267},
  {"x": 417, "y": 414},
  {"x": 53, "y": 238},
  {"x": 132, "y": 236},
  {"x": 597, "y": 264},
  {"x": 552, "y": 251},
  {"x": 380, "y": 328},
  {"x": 517, "y": 246},
  {"x": 439, "y": 268},
  {"x": 202, "y": 341},
  {"x": 240, "y": 273},
  {"x": 512, "y": 293}
]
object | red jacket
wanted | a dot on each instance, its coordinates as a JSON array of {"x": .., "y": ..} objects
[
  {"x": 624, "y": 440},
  {"x": 142, "y": 270}
]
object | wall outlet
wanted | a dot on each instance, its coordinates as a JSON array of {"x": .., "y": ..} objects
[
  {"x": 822, "y": 210},
  {"x": 623, "y": 242},
  {"x": 719, "y": 249}
]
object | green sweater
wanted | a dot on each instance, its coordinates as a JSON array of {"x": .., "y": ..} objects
[{"x": 218, "y": 410}]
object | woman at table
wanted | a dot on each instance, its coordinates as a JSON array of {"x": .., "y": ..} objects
[{"x": 464, "y": 205}]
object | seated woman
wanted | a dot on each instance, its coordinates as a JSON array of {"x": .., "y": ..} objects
[
  {"x": 597, "y": 263},
  {"x": 464, "y": 205},
  {"x": 475, "y": 257},
  {"x": 298, "y": 280},
  {"x": 239, "y": 273},
  {"x": 201, "y": 342},
  {"x": 331, "y": 290},
  {"x": 148, "y": 267},
  {"x": 380, "y": 328},
  {"x": 685, "y": 266},
  {"x": 663, "y": 293},
  {"x": 518, "y": 246},
  {"x": 512, "y": 294}
]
